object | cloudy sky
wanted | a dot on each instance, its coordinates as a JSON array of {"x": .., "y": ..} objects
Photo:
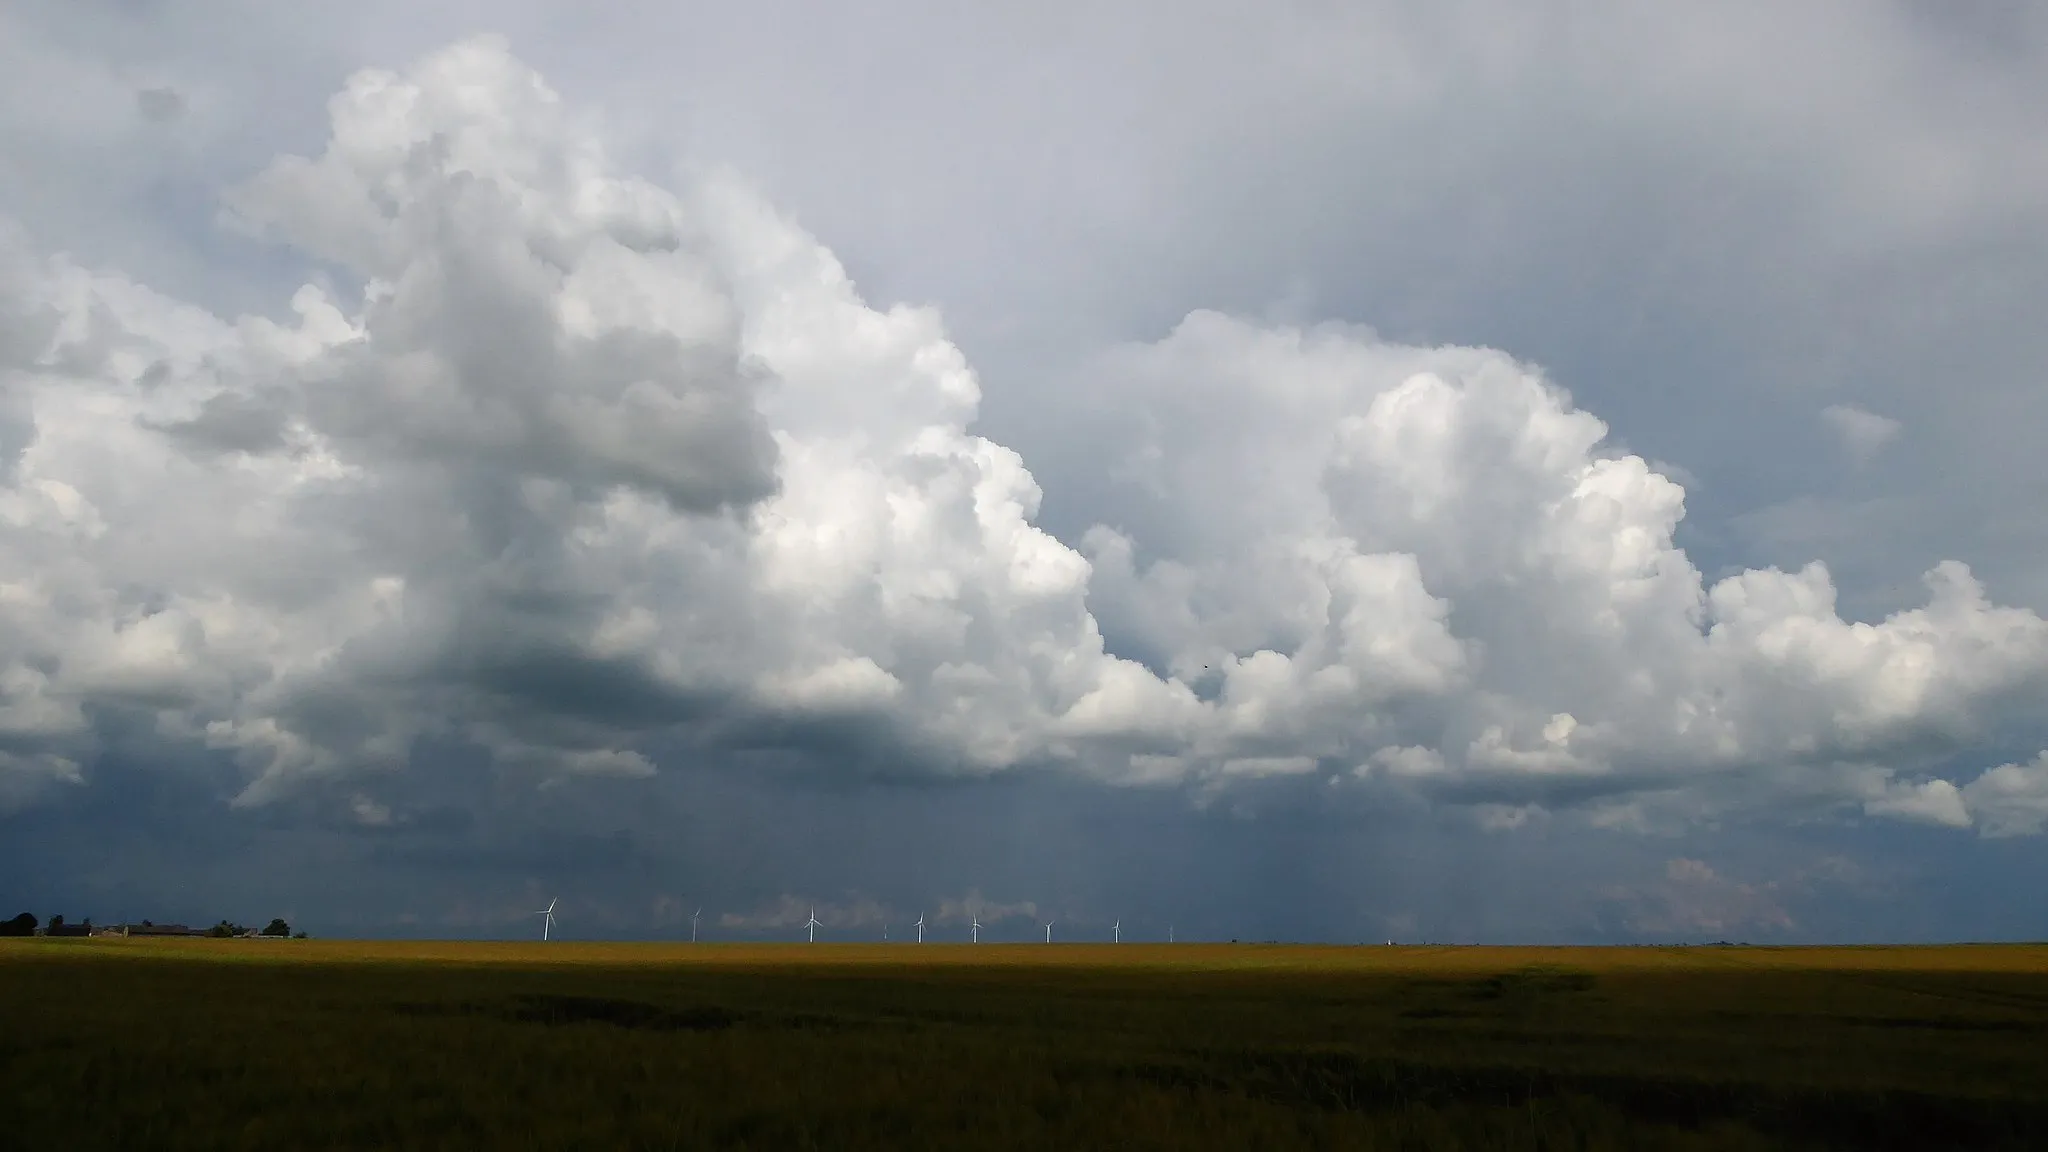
[{"x": 1458, "y": 471}]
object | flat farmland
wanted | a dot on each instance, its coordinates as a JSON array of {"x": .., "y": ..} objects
[{"x": 315, "y": 1044}]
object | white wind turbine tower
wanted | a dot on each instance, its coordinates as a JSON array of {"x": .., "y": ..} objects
[
  {"x": 813, "y": 924},
  {"x": 1116, "y": 931},
  {"x": 920, "y": 927},
  {"x": 547, "y": 925},
  {"x": 693, "y": 924},
  {"x": 973, "y": 928},
  {"x": 1048, "y": 931}
]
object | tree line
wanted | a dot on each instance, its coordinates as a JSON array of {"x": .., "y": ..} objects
[{"x": 26, "y": 923}]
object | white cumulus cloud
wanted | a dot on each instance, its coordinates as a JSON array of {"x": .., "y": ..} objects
[
  {"x": 2011, "y": 799},
  {"x": 592, "y": 473},
  {"x": 1534, "y": 626},
  {"x": 1863, "y": 433}
]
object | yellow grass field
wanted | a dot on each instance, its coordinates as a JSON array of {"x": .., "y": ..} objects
[{"x": 333, "y": 1043}]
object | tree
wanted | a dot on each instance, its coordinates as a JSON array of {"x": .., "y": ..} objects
[
  {"x": 277, "y": 927},
  {"x": 224, "y": 930},
  {"x": 22, "y": 925},
  {"x": 55, "y": 923},
  {"x": 298, "y": 935}
]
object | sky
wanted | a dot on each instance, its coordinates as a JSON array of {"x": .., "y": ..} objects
[{"x": 1480, "y": 471}]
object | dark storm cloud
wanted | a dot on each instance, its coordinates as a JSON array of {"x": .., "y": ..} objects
[{"x": 624, "y": 860}]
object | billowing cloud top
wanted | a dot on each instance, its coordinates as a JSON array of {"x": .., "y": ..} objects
[{"x": 598, "y": 476}]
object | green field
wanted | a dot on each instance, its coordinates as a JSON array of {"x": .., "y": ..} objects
[{"x": 311, "y": 1044}]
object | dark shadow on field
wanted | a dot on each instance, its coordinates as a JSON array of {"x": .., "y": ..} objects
[
  {"x": 555, "y": 1011},
  {"x": 1836, "y": 1119},
  {"x": 537, "y": 1009},
  {"x": 134, "y": 1048}
]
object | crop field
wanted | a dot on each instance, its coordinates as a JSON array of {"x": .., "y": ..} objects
[{"x": 314, "y": 1044}]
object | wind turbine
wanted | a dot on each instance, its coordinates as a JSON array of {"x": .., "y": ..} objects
[
  {"x": 693, "y": 924},
  {"x": 1169, "y": 933},
  {"x": 1116, "y": 931},
  {"x": 1048, "y": 931},
  {"x": 920, "y": 927},
  {"x": 973, "y": 928},
  {"x": 813, "y": 924},
  {"x": 547, "y": 925}
]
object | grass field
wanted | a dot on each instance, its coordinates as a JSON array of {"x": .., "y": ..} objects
[{"x": 309, "y": 1044}]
